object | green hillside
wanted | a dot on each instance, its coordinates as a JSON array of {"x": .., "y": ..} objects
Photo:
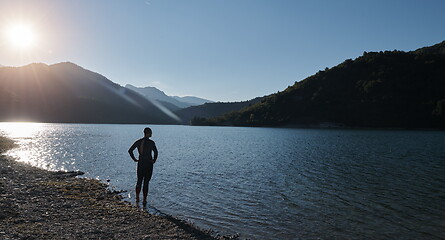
[{"x": 378, "y": 89}]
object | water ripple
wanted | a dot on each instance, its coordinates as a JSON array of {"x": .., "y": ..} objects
[{"x": 265, "y": 183}]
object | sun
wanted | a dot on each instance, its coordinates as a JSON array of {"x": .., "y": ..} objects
[{"x": 20, "y": 36}]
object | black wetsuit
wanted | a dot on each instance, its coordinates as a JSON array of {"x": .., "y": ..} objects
[{"x": 145, "y": 164}]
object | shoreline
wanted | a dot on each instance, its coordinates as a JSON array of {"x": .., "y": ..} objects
[
  {"x": 40, "y": 204},
  {"x": 322, "y": 126}
]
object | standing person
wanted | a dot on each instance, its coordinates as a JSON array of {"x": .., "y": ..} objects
[{"x": 145, "y": 162}]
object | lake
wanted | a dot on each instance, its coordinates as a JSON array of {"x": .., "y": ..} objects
[{"x": 264, "y": 183}]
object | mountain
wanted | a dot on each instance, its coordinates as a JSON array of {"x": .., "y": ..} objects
[
  {"x": 193, "y": 101},
  {"x": 435, "y": 49},
  {"x": 210, "y": 110},
  {"x": 391, "y": 89},
  {"x": 68, "y": 93},
  {"x": 172, "y": 103},
  {"x": 153, "y": 93}
]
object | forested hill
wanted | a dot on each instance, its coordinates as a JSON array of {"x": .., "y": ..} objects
[
  {"x": 65, "y": 92},
  {"x": 391, "y": 89},
  {"x": 209, "y": 110}
]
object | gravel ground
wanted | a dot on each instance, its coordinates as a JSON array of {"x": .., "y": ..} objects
[{"x": 38, "y": 204}]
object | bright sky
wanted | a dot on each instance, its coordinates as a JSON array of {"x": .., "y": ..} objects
[{"x": 227, "y": 50}]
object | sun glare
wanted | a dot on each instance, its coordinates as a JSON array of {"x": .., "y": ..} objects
[
  {"x": 16, "y": 130},
  {"x": 20, "y": 36}
]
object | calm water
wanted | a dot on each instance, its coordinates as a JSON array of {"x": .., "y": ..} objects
[{"x": 265, "y": 183}]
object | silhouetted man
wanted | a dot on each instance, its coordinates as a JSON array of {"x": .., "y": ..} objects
[{"x": 145, "y": 162}]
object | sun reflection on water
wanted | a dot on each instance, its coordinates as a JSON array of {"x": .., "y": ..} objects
[
  {"x": 29, "y": 150},
  {"x": 16, "y": 130}
]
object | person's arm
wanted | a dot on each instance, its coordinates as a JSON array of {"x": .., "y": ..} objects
[
  {"x": 155, "y": 151},
  {"x": 130, "y": 151}
]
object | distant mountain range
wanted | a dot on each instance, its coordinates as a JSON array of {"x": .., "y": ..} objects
[
  {"x": 187, "y": 108},
  {"x": 192, "y": 101},
  {"x": 153, "y": 93},
  {"x": 67, "y": 93},
  {"x": 391, "y": 89}
]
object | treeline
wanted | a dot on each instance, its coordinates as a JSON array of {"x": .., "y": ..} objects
[{"x": 193, "y": 115}]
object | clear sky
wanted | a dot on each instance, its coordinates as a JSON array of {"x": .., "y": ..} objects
[{"x": 223, "y": 50}]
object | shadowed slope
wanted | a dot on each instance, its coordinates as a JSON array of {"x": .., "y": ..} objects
[{"x": 65, "y": 92}]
